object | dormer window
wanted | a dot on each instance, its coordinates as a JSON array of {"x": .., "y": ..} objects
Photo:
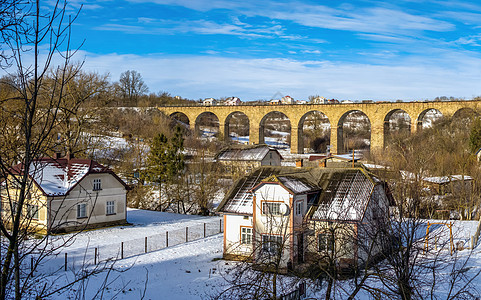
[{"x": 97, "y": 184}]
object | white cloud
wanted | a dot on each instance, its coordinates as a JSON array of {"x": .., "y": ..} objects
[
  {"x": 311, "y": 51},
  {"x": 209, "y": 76},
  {"x": 376, "y": 19}
]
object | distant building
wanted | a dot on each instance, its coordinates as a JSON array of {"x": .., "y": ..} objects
[
  {"x": 232, "y": 101},
  {"x": 241, "y": 160},
  {"x": 319, "y": 100},
  {"x": 275, "y": 102},
  {"x": 443, "y": 185},
  {"x": 347, "y": 101},
  {"x": 287, "y": 100},
  {"x": 209, "y": 102},
  {"x": 68, "y": 194},
  {"x": 301, "y": 102}
]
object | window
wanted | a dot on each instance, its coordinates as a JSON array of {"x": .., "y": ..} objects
[
  {"x": 32, "y": 211},
  {"x": 271, "y": 243},
  {"x": 271, "y": 208},
  {"x": 81, "y": 210},
  {"x": 270, "y": 155},
  {"x": 246, "y": 235},
  {"x": 97, "y": 184},
  {"x": 110, "y": 208},
  {"x": 14, "y": 208},
  {"x": 326, "y": 242},
  {"x": 299, "y": 208}
]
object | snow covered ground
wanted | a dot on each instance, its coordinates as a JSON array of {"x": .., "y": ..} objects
[{"x": 189, "y": 270}]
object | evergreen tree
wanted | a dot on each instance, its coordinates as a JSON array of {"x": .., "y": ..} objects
[
  {"x": 475, "y": 136},
  {"x": 166, "y": 160}
]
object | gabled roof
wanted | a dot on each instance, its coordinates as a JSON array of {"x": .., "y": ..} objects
[
  {"x": 343, "y": 192},
  {"x": 252, "y": 153},
  {"x": 57, "y": 177},
  {"x": 345, "y": 196},
  {"x": 294, "y": 184}
]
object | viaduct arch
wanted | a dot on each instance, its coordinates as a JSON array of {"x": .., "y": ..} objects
[{"x": 378, "y": 114}]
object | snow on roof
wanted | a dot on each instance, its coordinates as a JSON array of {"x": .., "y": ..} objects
[
  {"x": 447, "y": 179},
  {"x": 344, "y": 192},
  {"x": 345, "y": 196},
  {"x": 56, "y": 177},
  {"x": 296, "y": 185},
  {"x": 253, "y": 154},
  {"x": 357, "y": 156},
  {"x": 374, "y": 166}
]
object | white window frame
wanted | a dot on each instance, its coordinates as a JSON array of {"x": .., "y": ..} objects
[
  {"x": 110, "y": 207},
  {"x": 97, "y": 184},
  {"x": 81, "y": 210},
  {"x": 246, "y": 235}
]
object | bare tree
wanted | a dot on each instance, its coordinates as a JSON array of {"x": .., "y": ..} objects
[
  {"x": 131, "y": 85},
  {"x": 84, "y": 96},
  {"x": 29, "y": 113}
]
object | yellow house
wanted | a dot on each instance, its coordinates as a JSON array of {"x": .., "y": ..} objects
[{"x": 66, "y": 194}]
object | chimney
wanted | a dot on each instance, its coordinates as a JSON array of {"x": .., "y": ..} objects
[{"x": 299, "y": 163}]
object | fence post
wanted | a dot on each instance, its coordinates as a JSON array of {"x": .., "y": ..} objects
[
  {"x": 145, "y": 244},
  {"x": 95, "y": 256},
  {"x": 220, "y": 225},
  {"x": 31, "y": 263},
  {"x": 65, "y": 261},
  {"x": 204, "y": 229},
  {"x": 186, "y": 234},
  {"x": 166, "y": 239},
  {"x": 122, "y": 250}
]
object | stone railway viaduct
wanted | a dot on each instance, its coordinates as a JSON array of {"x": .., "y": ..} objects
[{"x": 378, "y": 113}]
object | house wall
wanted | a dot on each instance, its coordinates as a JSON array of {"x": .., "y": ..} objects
[
  {"x": 35, "y": 198},
  {"x": 240, "y": 168},
  {"x": 272, "y": 158},
  {"x": 273, "y": 225},
  {"x": 64, "y": 209},
  {"x": 345, "y": 236},
  {"x": 232, "y": 236},
  {"x": 374, "y": 224}
]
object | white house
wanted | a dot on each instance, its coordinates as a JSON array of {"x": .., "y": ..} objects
[
  {"x": 209, "y": 102},
  {"x": 287, "y": 100},
  {"x": 319, "y": 100},
  {"x": 68, "y": 194},
  {"x": 233, "y": 101},
  {"x": 288, "y": 212}
]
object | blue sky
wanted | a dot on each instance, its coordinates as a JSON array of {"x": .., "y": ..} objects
[{"x": 381, "y": 50}]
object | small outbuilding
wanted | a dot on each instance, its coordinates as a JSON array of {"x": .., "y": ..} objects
[{"x": 241, "y": 160}]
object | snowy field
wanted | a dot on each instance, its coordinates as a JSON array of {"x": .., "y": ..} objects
[{"x": 189, "y": 270}]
